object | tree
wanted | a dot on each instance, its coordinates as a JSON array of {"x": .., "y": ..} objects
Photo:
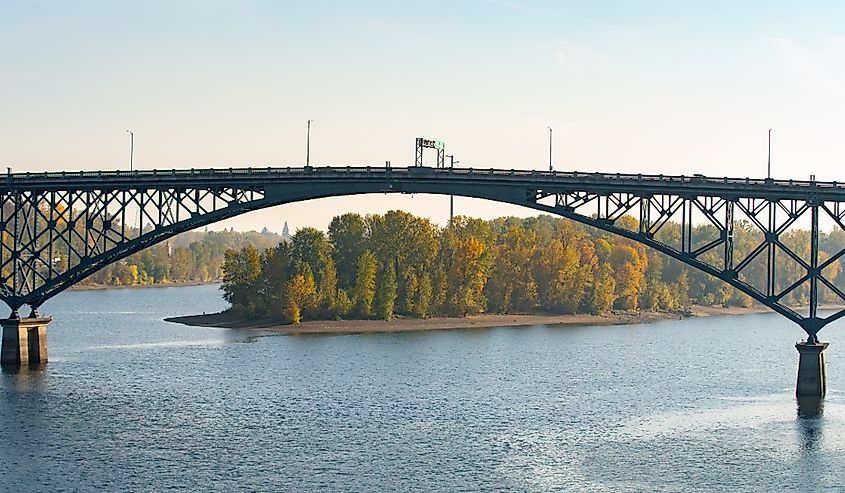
[
  {"x": 561, "y": 278},
  {"x": 628, "y": 269},
  {"x": 601, "y": 298},
  {"x": 181, "y": 264},
  {"x": 347, "y": 236},
  {"x": 466, "y": 276},
  {"x": 310, "y": 246},
  {"x": 327, "y": 291},
  {"x": 407, "y": 303},
  {"x": 306, "y": 296},
  {"x": 511, "y": 285},
  {"x": 386, "y": 294},
  {"x": 407, "y": 241},
  {"x": 651, "y": 294},
  {"x": 299, "y": 288},
  {"x": 240, "y": 272},
  {"x": 422, "y": 306},
  {"x": 276, "y": 271},
  {"x": 344, "y": 303},
  {"x": 365, "y": 284}
]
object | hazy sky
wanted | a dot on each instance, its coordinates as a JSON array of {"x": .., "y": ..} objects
[{"x": 649, "y": 86}]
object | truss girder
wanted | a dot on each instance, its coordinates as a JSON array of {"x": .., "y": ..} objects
[
  {"x": 58, "y": 228},
  {"x": 768, "y": 219},
  {"x": 52, "y": 239}
]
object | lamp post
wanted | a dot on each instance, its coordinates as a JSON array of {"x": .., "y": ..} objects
[
  {"x": 769, "y": 175},
  {"x": 550, "y": 148},
  {"x": 452, "y": 163},
  {"x": 308, "y": 145},
  {"x": 131, "y": 148}
]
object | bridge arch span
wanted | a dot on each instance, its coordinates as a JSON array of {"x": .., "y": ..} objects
[{"x": 59, "y": 228}]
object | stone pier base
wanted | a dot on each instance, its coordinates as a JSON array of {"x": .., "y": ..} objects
[
  {"x": 24, "y": 341},
  {"x": 812, "y": 377}
]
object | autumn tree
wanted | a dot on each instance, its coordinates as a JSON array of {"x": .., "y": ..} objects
[
  {"x": 628, "y": 268},
  {"x": 365, "y": 284}
]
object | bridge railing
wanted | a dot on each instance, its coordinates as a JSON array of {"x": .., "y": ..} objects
[{"x": 30, "y": 178}]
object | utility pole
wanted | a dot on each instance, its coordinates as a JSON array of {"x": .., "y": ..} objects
[
  {"x": 550, "y": 148},
  {"x": 308, "y": 145},
  {"x": 769, "y": 175},
  {"x": 131, "y": 148},
  {"x": 452, "y": 163}
]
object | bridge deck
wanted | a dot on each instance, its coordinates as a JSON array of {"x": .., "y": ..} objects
[{"x": 675, "y": 184}]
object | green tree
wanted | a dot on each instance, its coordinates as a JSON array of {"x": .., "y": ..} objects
[
  {"x": 241, "y": 270},
  {"x": 328, "y": 290},
  {"x": 311, "y": 246},
  {"x": 422, "y": 306},
  {"x": 386, "y": 294},
  {"x": 347, "y": 234},
  {"x": 365, "y": 284},
  {"x": 407, "y": 304}
]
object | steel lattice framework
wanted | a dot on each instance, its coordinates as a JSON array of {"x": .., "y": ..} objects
[{"x": 58, "y": 228}]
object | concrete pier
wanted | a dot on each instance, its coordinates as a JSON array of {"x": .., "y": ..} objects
[
  {"x": 812, "y": 376},
  {"x": 24, "y": 341}
]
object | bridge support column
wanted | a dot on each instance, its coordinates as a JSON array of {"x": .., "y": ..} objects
[
  {"x": 24, "y": 341},
  {"x": 812, "y": 377}
]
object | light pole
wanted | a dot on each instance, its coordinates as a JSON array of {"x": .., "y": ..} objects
[
  {"x": 550, "y": 148},
  {"x": 452, "y": 163},
  {"x": 769, "y": 175},
  {"x": 131, "y": 147},
  {"x": 308, "y": 145}
]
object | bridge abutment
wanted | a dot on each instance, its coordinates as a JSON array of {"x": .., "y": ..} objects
[
  {"x": 812, "y": 376},
  {"x": 24, "y": 341}
]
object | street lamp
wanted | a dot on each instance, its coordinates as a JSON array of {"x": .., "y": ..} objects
[
  {"x": 308, "y": 145},
  {"x": 550, "y": 148},
  {"x": 131, "y": 147},
  {"x": 452, "y": 163},
  {"x": 770, "y": 154}
]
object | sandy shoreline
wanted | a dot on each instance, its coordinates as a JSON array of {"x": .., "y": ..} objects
[
  {"x": 232, "y": 321},
  {"x": 174, "y": 284}
]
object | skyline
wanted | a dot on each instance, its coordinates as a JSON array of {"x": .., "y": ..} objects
[{"x": 656, "y": 87}]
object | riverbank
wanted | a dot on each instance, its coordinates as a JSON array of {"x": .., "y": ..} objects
[
  {"x": 174, "y": 284},
  {"x": 233, "y": 321}
]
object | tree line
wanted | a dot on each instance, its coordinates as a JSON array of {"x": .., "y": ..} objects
[
  {"x": 196, "y": 256},
  {"x": 381, "y": 266}
]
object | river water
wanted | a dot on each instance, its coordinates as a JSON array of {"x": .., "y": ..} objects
[{"x": 131, "y": 403}]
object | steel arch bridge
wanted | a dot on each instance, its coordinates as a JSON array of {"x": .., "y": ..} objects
[{"x": 59, "y": 227}]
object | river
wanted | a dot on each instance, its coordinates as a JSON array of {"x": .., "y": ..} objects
[{"x": 131, "y": 403}]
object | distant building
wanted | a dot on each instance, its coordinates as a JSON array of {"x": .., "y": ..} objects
[{"x": 286, "y": 232}]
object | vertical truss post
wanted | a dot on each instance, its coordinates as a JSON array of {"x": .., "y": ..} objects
[
  {"x": 645, "y": 215},
  {"x": 729, "y": 235},
  {"x": 686, "y": 226},
  {"x": 16, "y": 254},
  {"x": 814, "y": 259},
  {"x": 770, "y": 251},
  {"x": 418, "y": 160}
]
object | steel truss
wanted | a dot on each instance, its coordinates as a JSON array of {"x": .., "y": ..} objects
[
  {"x": 644, "y": 217},
  {"x": 52, "y": 239},
  {"x": 57, "y": 228}
]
